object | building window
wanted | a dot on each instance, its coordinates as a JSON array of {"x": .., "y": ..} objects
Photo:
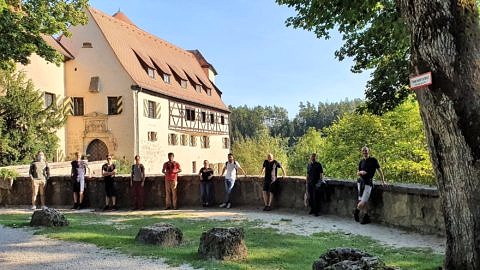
[
  {"x": 152, "y": 136},
  {"x": 114, "y": 105},
  {"x": 204, "y": 117},
  {"x": 222, "y": 120},
  {"x": 151, "y": 72},
  {"x": 194, "y": 166},
  {"x": 166, "y": 78},
  {"x": 87, "y": 45},
  {"x": 209, "y": 91},
  {"x": 49, "y": 99},
  {"x": 77, "y": 106},
  {"x": 190, "y": 114},
  {"x": 184, "y": 139},
  {"x": 183, "y": 83},
  {"x": 151, "y": 109},
  {"x": 193, "y": 140},
  {"x": 198, "y": 88},
  {"x": 212, "y": 118},
  {"x": 172, "y": 139},
  {"x": 205, "y": 142},
  {"x": 226, "y": 143}
]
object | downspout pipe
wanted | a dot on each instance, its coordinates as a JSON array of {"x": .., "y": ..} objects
[{"x": 137, "y": 89}]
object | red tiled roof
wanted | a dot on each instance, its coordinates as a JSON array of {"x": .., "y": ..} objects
[
  {"x": 52, "y": 42},
  {"x": 130, "y": 44}
]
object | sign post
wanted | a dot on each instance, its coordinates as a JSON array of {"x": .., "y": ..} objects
[{"x": 421, "y": 81}]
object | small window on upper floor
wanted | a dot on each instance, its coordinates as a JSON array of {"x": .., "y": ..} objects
[
  {"x": 226, "y": 143},
  {"x": 87, "y": 45},
  {"x": 190, "y": 114},
  {"x": 152, "y": 136},
  {"x": 152, "y": 108},
  {"x": 151, "y": 72},
  {"x": 184, "y": 139},
  {"x": 222, "y": 120},
  {"x": 198, "y": 88},
  {"x": 204, "y": 117},
  {"x": 49, "y": 99},
  {"x": 209, "y": 91},
  {"x": 172, "y": 139},
  {"x": 193, "y": 140},
  {"x": 166, "y": 78},
  {"x": 115, "y": 105},
  {"x": 212, "y": 118},
  {"x": 183, "y": 83},
  {"x": 77, "y": 106}
]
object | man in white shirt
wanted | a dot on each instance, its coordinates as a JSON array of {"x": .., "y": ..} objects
[{"x": 231, "y": 167}]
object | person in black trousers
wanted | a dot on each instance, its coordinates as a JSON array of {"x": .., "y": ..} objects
[{"x": 314, "y": 184}]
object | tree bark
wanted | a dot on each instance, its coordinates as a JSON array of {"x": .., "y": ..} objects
[{"x": 445, "y": 40}]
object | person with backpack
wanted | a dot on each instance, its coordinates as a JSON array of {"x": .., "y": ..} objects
[
  {"x": 137, "y": 182},
  {"x": 231, "y": 167},
  {"x": 39, "y": 173}
]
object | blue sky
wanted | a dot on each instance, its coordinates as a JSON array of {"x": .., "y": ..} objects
[{"x": 258, "y": 59}]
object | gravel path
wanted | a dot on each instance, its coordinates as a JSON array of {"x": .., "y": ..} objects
[{"x": 20, "y": 249}]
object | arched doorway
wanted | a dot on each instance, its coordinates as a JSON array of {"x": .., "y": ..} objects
[{"x": 97, "y": 150}]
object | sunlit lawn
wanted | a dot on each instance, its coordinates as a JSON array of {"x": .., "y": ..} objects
[{"x": 267, "y": 249}]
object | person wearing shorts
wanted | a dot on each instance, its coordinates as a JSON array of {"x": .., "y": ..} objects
[
  {"x": 108, "y": 173},
  {"x": 366, "y": 170},
  {"x": 270, "y": 183},
  {"x": 78, "y": 173}
]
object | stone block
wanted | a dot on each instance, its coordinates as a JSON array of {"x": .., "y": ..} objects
[
  {"x": 223, "y": 244},
  {"x": 48, "y": 217},
  {"x": 348, "y": 259},
  {"x": 161, "y": 234}
]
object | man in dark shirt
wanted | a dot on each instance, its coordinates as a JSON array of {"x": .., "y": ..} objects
[
  {"x": 366, "y": 170},
  {"x": 314, "y": 185},
  {"x": 108, "y": 173},
  {"x": 270, "y": 184},
  {"x": 78, "y": 174},
  {"x": 206, "y": 175}
]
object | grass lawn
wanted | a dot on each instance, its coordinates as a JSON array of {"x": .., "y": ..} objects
[{"x": 267, "y": 249}]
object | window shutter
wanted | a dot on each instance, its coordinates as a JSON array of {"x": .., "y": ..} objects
[
  {"x": 207, "y": 142},
  {"x": 170, "y": 139},
  {"x": 145, "y": 107},
  {"x": 119, "y": 105},
  {"x": 67, "y": 106},
  {"x": 158, "y": 111}
]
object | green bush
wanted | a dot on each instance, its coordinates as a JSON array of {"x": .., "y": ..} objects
[{"x": 8, "y": 173}]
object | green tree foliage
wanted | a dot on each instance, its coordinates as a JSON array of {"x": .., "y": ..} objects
[
  {"x": 23, "y": 22},
  {"x": 251, "y": 152},
  {"x": 299, "y": 156},
  {"x": 396, "y": 139},
  {"x": 322, "y": 115},
  {"x": 26, "y": 126},
  {"x": 375, "y": 36}
]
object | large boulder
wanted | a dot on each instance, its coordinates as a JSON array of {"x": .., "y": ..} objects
[
  {"x": 223, "y": 244},
  {"x": 348, "y": 259},
  {"x": 162, "y": 234},
  {"x": 48, "y": 217}
]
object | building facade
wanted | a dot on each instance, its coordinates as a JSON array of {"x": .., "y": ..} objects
[{"x": 128, "y": 92}]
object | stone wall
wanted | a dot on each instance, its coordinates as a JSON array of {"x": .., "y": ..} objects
[{"x": 412, "y": 207}]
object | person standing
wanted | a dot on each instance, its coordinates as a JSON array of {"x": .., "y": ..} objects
[
  {"x": 108, "y": 172},
  {"x": 314, "y": 184},
  {"x": 270, "y": 183},
  {"x": 366, "y": 170},
  {"x": 39, "y": 173},
  {"x": 206, "y": 175},
  {"x": 137, "y": 182},
  {"x": 231, "y": 167},
  {"x": 171, "y": 169},
  {"x": 78, "y": 173}
]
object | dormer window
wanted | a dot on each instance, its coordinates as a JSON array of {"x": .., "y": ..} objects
[
  {"x": 209, "y": 91},
  {"x": 151, "y": 72},
  {"x": 183, "y": 83},
  {"x": 166, "y": 78},
  {"x": 198, "y": 88},
  {"x": 87, "y": 45}
]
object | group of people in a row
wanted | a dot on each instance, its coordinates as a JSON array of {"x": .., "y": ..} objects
[{"x": 315, "y": 191}]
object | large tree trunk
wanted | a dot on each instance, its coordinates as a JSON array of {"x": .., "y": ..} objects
[{"x": 445, "y": 40}]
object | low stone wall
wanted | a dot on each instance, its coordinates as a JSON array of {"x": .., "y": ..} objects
[{"x": 412, "y": 207}]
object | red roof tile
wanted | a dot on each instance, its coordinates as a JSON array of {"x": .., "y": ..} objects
[{"x": 128, "y": 41}]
